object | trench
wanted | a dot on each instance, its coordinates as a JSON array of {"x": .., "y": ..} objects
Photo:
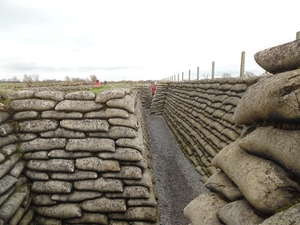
[{"x": 177, "y": 182}]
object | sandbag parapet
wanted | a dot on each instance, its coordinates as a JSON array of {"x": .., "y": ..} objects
[{"x": 87, "y": 157}]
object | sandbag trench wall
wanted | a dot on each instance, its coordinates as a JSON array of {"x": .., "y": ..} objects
[
  {"x": 244, "y": 141},
  {"x": 200, "y": 115},
  {"x": 75, "y": 158}
]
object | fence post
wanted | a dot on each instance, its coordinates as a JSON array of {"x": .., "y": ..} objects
[
  {"x": 198, "y": 73},
  {"x": 178, "y": 77},
  {"x": 182, "y": 76},
  {"x": 174, "y": 77},
  {"x": 189, "y": 74},
  {"x": 298, "y": 35},
  {"x": 213, "y": 70},
  {"x": 242, "y": 69}
]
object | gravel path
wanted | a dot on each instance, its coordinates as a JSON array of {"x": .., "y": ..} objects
[{"x": 177, "y": 182}]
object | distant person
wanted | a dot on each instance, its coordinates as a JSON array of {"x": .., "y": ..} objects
[
  {"x": 97, "y": 83},
  {"x": 153, "y": 89}
]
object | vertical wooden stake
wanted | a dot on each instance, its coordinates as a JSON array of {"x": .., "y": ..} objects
[
  {"x": 242, "y": 69},
  {"x": 213, "y": 70},
  {"x": 198, "y": 73},
  {"x": 298, "y": 35}
]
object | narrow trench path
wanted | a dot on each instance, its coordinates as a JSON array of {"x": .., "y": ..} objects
[{"x": 177, "y": 182}]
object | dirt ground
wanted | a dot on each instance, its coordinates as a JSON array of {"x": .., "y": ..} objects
[{"x": 177, "y": 182}]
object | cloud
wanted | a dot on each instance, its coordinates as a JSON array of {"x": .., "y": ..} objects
[{"x": 30, "y": 67}]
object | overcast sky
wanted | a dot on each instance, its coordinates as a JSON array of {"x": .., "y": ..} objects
[{"x": 138, "y": 39}]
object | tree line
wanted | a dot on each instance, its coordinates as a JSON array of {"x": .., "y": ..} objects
[{"x": 30, "y": 78}]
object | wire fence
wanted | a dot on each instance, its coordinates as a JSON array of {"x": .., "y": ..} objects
[{"x": 243, "y": 66}]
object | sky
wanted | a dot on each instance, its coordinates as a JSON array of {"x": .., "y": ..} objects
[{"x": 139, "y": 39}]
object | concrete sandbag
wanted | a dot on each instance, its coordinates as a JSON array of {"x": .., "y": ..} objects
[
  {"x": 282, "y": 146},
  {"x": 263, "y": 183},
  {"x": 60, "y": 211},
  {"x": 272, "y": 98},
  {"x": 220, "y": 183},
  {"x": 144, "y": 213},
  {"x": 239, "y": 212},
  {"x": 288, "y": 217},
  {"x": 104, "y": 205},
  {"x": 203, "y": 209},
  {"x": 280, "y": 58}
]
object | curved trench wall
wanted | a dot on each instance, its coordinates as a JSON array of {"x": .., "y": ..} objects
[
  {"x": 76, "y": 158},
  {"x": 243, "y": 137}
]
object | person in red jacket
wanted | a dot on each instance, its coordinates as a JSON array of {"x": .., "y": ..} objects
[{"x": 153, "y": 89}]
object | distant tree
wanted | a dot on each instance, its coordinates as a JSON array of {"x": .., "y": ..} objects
[
  {"x": 67, "y": 78},
  {"x": 27, "y": 78},
  {"x": 93, "y": 78},
  {"x": 206, "y": 75},
  {"x": 15, "y": 79},
  {"x": 249, "y": 74},
  {"x": 35, "y": 77},
  {"x": 226, "y": 75}
]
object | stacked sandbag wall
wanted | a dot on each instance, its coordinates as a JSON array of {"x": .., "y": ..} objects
[
  {"x": 15, "y": 197},
  {"x": 144, "y": 92},
  {"x": 258, "y": 175},
  {"x": 158, "y": 100},
  {"x": 87, "y": 157},
  {"x": 200, "y": 114}
]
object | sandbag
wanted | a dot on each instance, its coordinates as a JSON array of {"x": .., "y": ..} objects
[
  {"x": 239, "y": 212},
  {"x": 289, "y": 216},
  {"x": 280, "y": 58},
  {"x": 272, "y": 98},
  {"x": 203, "y": 209},
  {"x": 219, "y": 182},
  {"x": 263, "y": 183},
  {"x": 282, "y": 146}
]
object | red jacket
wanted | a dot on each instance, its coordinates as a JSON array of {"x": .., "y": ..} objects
[{"x": 153, "y": 89}]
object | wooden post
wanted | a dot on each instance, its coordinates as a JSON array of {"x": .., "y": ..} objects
[
  {"x": 242, "y": 69},
  {"x": 298, "y": 35},
  {"x": 182, "y": 76},
  {"x": 174, "y": 77},
  {"x": 198, "y": 73},
  {"x": 213, "y": 70},
  {"x": 178, "y": 77},
  {"x": 189, "y": 74}
]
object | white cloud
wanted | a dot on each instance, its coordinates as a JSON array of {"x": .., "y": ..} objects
[{"x": 140, "y": 39}]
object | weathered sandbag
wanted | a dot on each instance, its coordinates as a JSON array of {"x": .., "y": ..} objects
[
  {"x": 104, "y": 205},
  {"x": 282, "y": 146},
  {"x": 239, "y": 213},
  {"x": 263, "y": 183},
  {"x": 145, "y": 213},
  {"x": 126, "y": 103},
  {"x": 11, "y": 205},
  {"x": 203, "y": 209},
  {"x": 81, "y": 95},
  {"x": 280, "y": 58},
  {"x": 288, "y": 217},
  {"x": 95, "y": 218},
  {"x": 272, "y": 98},
  {"x": 39, "y": 220},
  {"x": 220, "y": 183},
  {"x": 60, "y": 211},
  {"x": 77, "y": 105},
  {"x": 106, "y": 95}
]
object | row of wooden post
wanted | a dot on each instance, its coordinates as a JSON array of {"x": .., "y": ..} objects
[
  {"x": 242, "y": 71},
  {"x": 242, "y": 68}
]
